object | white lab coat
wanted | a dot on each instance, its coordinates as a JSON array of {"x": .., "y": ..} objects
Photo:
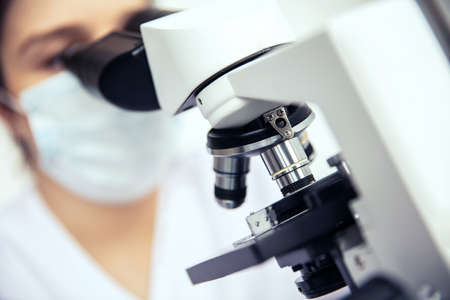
[{"x": 39, "y": 259}]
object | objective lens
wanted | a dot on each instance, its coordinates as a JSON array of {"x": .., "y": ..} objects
[
  {"x": 230, "y": 188},
  {"x": 288, "y": 164}
]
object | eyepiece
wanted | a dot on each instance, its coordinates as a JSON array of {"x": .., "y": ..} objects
[
  {"x": 115, "y": 67},
  {"x": 230, "y": 188}
]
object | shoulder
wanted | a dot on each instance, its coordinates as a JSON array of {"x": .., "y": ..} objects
[
  {"x": 18, "y": 225},
  {"x": 17, "y": 214}
]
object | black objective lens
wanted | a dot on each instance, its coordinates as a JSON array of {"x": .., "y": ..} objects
[{"x": 230, "y": 188}]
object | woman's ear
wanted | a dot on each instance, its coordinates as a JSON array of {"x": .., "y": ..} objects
[
  {"x": 7, "y": 108},
  {"x": 10, "y": 113},
  {"x": 20, "y": 131},
  {"x": 7, "y": 115}
]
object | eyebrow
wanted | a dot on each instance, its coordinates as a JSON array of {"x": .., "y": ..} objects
[{"x": 63, "y": 32}]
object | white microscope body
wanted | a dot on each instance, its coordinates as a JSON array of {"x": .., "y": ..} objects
[{"x": 383, "y": 83}]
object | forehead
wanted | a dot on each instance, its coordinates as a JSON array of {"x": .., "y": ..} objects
[{"x": 35, "y": 16}]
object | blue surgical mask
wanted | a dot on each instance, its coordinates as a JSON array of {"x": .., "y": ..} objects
[{"x": 94, "y": 149}]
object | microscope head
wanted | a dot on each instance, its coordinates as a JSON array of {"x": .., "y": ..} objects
[
  {"x": 189, "y": 51},
  {"x": 196, "y": 51}
]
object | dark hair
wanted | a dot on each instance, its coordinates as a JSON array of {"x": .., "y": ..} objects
[
  {"x": 21, "y": 142},
  {"x": 4, "y": 4}
]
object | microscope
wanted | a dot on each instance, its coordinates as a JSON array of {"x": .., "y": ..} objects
[{"x": 242, "y": 66}]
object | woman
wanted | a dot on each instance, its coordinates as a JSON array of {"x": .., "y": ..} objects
[{"x": 114, "y": 213}]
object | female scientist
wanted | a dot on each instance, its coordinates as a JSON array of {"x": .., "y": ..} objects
[{"x": 119, "y": 206}]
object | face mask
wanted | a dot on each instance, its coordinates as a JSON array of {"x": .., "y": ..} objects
[{"x": 94, "y": 149}]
